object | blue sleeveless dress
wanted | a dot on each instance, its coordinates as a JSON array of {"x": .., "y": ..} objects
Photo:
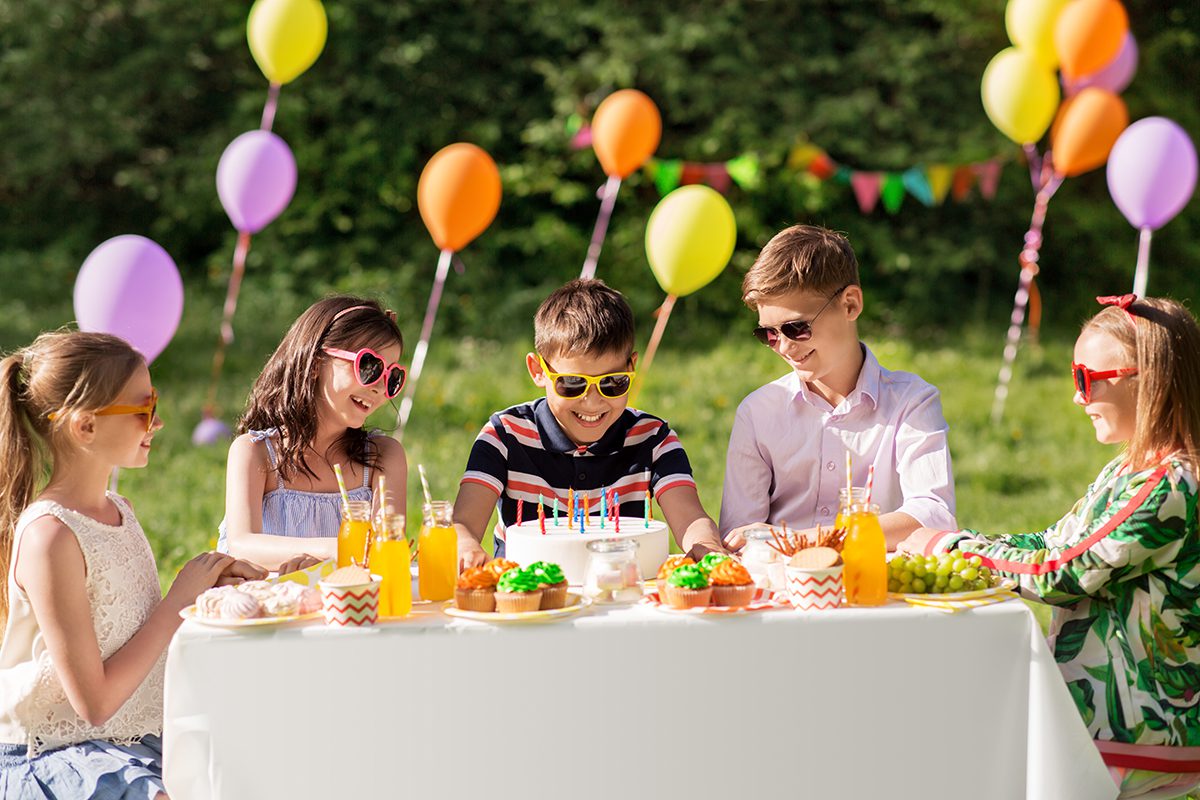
[{"x": 291, "y": 512}]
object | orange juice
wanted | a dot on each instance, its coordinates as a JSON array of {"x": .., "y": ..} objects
[
  {"x": 437, "y": 554},
  {"x": 864, "y": 554},
  {"x": 391, "y": 560},
  {"x": 353, "y": 533}
]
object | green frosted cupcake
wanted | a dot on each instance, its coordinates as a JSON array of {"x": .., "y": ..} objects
[
  {"x": 518, "y": 590},
  {"x": 687, "y": 587},
  {"x": 711, "y": 560},
  {"x": 552, "y": 582}
]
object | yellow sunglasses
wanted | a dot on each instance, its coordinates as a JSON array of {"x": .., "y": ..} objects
[
  {"x": 569, "y": 386},
  {"x": 117, "y": 410}
]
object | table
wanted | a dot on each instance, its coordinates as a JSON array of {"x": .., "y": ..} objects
[{"x": 892, "y": 702}]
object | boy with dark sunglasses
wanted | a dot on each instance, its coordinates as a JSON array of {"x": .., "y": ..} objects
[
  {"x": 787, "y": 451},
  {"x": 581, "y": 437}
]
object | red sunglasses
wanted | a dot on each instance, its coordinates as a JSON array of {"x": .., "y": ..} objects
[
  {"x": 1085, "y": 376},
  {"x": 370, "y": 368}
]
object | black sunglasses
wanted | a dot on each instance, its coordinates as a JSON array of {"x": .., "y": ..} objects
[{"x": 798, "y": 330}]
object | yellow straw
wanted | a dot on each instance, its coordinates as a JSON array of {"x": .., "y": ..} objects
[
  {"x": 337, "y": 473},
  {"x": 425, "y": 485},
  {"x": 849, "y": 477},
  {"x": 383, "y": 507}
]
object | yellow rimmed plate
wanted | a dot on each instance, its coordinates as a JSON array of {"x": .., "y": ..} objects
[
  {"x": 189, "y": 613},
  {"x": 1002, "y": 586},
  {"x": 575, "y": 604}
]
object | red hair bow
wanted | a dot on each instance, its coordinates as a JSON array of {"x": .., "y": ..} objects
[{"x": 1122, "y": 301}]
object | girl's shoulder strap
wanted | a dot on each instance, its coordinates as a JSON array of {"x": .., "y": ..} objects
[{"x": 265, "y": 437}]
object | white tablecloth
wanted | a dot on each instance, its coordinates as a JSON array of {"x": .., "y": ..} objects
[{"x": 894, "y": 702}]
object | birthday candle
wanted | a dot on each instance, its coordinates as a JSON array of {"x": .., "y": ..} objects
[
  {"x": 603, "y": 508},
  {"x": 556, "y": 509},
  {"x": 520, "y": 510},
  {"x": 587, "y": 505},
  {"x": 541, "y": 515},
  {"x": 617, "y": 510},
  {"x": 647, "y": 523},
  {"x": 571, "y": 503},
  {"x": 580, "y": 510}
]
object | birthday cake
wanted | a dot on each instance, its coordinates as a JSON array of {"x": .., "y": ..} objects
[{"x": 566, "y": 546}]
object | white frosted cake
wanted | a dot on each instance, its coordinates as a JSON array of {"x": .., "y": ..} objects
[{"x": 567, "y": 547}]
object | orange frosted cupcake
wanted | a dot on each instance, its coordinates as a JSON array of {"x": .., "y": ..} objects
[
  {"x": 499, "y": 566},
  {"x": 668, "y": 566},
  {"x": 476, "y": 590},
  {"x": 732, "y": 584},
  {"x": 687, "y": 587}
]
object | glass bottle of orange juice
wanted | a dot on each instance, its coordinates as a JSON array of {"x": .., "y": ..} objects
[
  {"x": 437, "y": 553},
  {"x": 846, "y": 499},
  {"x": 864, "y": 552},
  {"x": 354, "y": 533},
  {"x": 391, "y": 560}
]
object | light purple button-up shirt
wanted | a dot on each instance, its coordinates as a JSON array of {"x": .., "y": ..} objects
[{"x": 787, "y": 451}]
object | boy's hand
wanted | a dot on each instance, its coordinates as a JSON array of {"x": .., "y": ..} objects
[
  {"x": 470, "y": 553},
  {"x": 302, "y": 561},
  {"x": 735, "y": 540},
  {"x": 917, "y": 541}
]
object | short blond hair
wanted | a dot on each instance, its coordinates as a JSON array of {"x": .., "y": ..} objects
[{"x": 806, "y": 257}]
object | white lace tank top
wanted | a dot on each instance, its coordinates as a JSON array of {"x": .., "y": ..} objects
[{"x": 122, "y": 587}]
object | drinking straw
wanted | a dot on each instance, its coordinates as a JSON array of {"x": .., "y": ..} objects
[
  {"x": 383, "y": 507},
  {"x": 870, "y": 482},
  {"x": 337, "y": 473},
  {"x": 425, "y": 484},
  {"x": 849, "y": 478}
]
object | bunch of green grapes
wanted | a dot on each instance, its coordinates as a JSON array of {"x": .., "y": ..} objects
[{"x": 949, "y": 572}]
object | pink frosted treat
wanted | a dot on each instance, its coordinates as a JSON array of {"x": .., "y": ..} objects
[
  {"x": 310, "y": 600},
  {"x": 208, "y": 604}
]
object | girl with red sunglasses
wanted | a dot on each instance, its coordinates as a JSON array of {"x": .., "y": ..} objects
[
  {"x": 307, "y": 412},
  {"x": 1122, "y": 567}
]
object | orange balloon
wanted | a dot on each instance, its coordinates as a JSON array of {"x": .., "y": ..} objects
[
  {"x": 458, "y": 194},
  {"x": 1088, "y": 35},
  {"x": 625, "y": 131},
  {"x": 1086, "y": 129}
]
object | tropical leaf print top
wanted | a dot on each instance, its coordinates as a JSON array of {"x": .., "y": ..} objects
[{"x": 1122, "y": 567}]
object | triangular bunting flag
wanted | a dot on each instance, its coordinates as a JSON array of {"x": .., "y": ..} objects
[
  {"x": 961, "y": 186},
  {"x": 939, "y": 176},
  {"x": 716, "y": 176},
  {"x": 669, "y": 173},
  {"x": 918, "y": 185},
  {"x": 842, "y": 175},
  {"x": 892, "y": 192},
  {"x": 690, "y": 173},
  {"x": 745, "y": 171},
  {"x": 803, "y": 154},
  {"x": 989, "y": 177},
  {"x": 823, "y": 167},
  {"x": 866, "y": 189}
]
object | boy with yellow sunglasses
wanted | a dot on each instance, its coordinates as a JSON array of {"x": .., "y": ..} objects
[{"x": 581, "y": 436}]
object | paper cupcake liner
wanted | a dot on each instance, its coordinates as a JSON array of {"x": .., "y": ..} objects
[
  {"x": 517, "y": 602},
  {"x": 677, "y": 597},
  {"x": 734, "y": 595},
  {"x": 554, "y": 596},
  {"x": 475, "y": 599}
]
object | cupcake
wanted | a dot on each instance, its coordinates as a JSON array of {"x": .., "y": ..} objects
[
  {"x": 499, "y": 566},
  {"x": 552, "y": 582},
  {"x": 732, "y": 584},
  {"x": 476, "y": 590},
  {"x": 711, "y": 560},
  {"x": 517, "y": 591},
  {"x": 687, "y": 587},
  {"x": 669, "y": 566}
]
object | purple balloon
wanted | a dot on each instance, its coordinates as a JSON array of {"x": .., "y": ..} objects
[
  {"x": 1152, "y": 172},
  {"x": 1115, "y": 75},
  {"x": 210, "y": 430},
  {"x": 256, "y": 178},
  {"x": 130, "y": 287}
]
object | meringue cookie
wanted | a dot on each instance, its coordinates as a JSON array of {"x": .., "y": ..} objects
[{"x": 239, "y": 605}]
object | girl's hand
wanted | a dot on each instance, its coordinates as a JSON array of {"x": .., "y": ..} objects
[
  {"x": 240, "y": 571},
  {"x": 197, "y": 575},
  {"x": 917, "y": 540},
  {"x": 302, "y": 561}
]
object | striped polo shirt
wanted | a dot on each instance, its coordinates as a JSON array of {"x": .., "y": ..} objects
[{"x": 523, "y": 452}]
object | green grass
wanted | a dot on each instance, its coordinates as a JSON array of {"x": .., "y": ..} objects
[{"x": 1021, "y": 475}]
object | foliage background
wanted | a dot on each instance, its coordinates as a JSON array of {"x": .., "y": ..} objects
[{"x": 113, "y": 114}]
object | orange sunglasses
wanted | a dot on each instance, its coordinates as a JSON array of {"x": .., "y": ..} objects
[{"x": 149, "y": 410}]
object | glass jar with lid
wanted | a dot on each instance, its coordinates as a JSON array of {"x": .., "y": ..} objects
[
  {"x": 613, "y": 574},
  {"x": 761, "y": 560}
]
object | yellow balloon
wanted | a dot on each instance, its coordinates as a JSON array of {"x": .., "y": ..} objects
[
  {"x": 689, "y": 239},
  {"x": 1020, "y": 95},
  {"x": 286, "y": 36},
  {"x": 1030, "y": 25}
]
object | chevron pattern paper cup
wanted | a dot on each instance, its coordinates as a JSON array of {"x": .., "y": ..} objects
[
  {"x": 814, "y": 589},
  {"x": 351, "y": 606}
]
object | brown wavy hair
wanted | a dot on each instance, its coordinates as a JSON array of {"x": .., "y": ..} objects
[
  {"x": 61, "y": 373},
  {"x": 1163, "y": 342},
  {"x": 805, "y": 257},
  {"x": 285, "y": 395}
]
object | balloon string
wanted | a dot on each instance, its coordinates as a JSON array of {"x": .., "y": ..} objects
[
  {"x": 226, "y": 331},
  {"x": 268, "y": 115},
  {"x": 1035, "y": 165},
  {"x": 663, "y": 314},
  {"x": 1141, "y": 275},
  {"x": 608, "y": 200},
  {"x": 1029, "y": 269},
  {"x": 418, "y": 362}
]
